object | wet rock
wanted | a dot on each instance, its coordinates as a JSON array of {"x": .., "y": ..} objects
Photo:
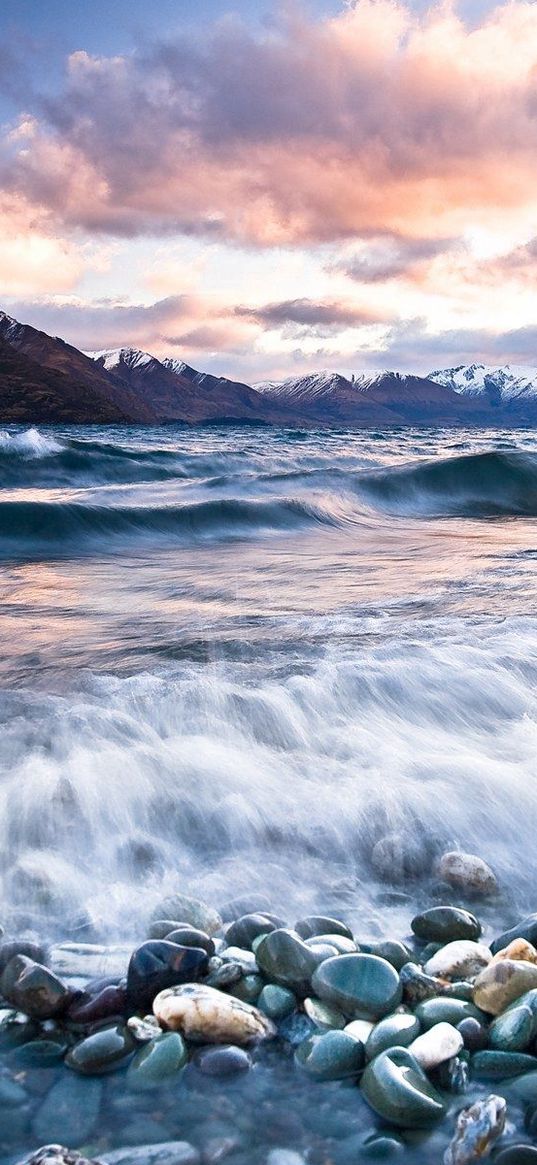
[
  {"x": 397, "y": 1030},
  {"x": 276, "y": 1002},
  {"x": 162, "y": 927},
  {"x": 285, "y": 959},
  {"x": 467, "y": 872},
  {"x": 517, "y": 950},
  {"x": 361, "y": 986},
  {"x": 295, "y": 1028},
  {"x": 397, "y": 858},
  {"x": 433, "y": 1047},
  {"x": 337, "y": 943},
  {"x": 103, "y": 1051},
  {"x": 417, "y": 986},
  {"x": 526, "y": 928},
  {"x": 40, "y": 1053},
  {"x": 144, "y": 1029},
  {"x": 165, "y": 1153},
  {"x": 478, "y": 1129},
  {"x": 398, "y": 1090},
  {"x": 249, "y": 989},
  {"x": 493, "y": 1065},
  {"x": 459, "y": 960},
  {"x": 33, "y": 988},
  {"x": 382, "y": 1147},
  {"x": 228, "y": 1060},
  {"x": 58, "y": 1155},
  {"x": 516, "y": 1154},
  {"x": 187, "y": 936},
  {"x": 159, "y": 1059},
  {"x": 317, "y": 924},
  {"x": 442, "y": 1010},
  {"x": 445, "y": 924},
  {"x": 514, "y": 1030},
  {"x": 246, "y": 904},
  {"x": 70, "y": 1111},
  {"x": 90, "y": 1009},
  {"x": 359, "y": 1029},
  {"x": 245, "y": 930},
  {"x": 189, "y": 910},
  {"x": 32, "y": 950},
  {"x": 323, "y": 1015},
  {"x": 394, "y": 952},
  {"x": 474, "y": 1034},
  {"x": 333, "y": 1055},
  {"x": 503, "y": 982},
  {"x": 155, "y": 965},
  {"x": 204, "y": 1015},
  {"x": 284, "y": 1157},
  {"x": 246, "y": 960}
]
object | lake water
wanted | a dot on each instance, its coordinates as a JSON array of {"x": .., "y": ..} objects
[{"x": 233, "y": 659}]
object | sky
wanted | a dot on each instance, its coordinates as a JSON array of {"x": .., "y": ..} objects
[{"x": 266, "y": 189}]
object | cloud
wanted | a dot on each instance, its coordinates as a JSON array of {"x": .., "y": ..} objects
[
  {"x": 393, "y": 258},
  {"x": 296, "y": 317},
  {"x": 380, "y": 119}
]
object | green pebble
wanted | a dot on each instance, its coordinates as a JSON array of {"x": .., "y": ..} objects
[
  {"x": 491, "y": 1065},
  {"x": 398, "y": 1090},
  {"x": 276, "y": 1002},
  {"x": 444, "y": 1010},
  {"x": 331, "y": 1056},
  {"x": 398, "y": 1030},
  {"x": 157, "y": 1061},
  {"x": 248, "y": 988}
]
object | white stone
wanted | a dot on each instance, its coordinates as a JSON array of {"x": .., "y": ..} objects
[
  {"x": 359, "y": 1029},
  {"x": 437, "y": 1045},
  {"x": 167, "y": 1153},
  {"x": 284, "y": 1157},
  {"x": 462, "y": 959},
  {"x": 467, "y": 872},
  {"x": 207, "y": 1016}
]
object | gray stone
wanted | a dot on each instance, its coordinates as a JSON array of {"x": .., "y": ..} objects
[{"x": 361, "y": 986}]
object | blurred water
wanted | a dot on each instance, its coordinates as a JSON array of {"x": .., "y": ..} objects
[{"x": 249, "y": 654}]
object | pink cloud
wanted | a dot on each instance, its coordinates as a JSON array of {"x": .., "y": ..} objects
[{"x": 376, "y": 120}]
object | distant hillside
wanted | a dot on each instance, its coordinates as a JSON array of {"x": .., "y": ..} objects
[{"x": 32, "y": 394}]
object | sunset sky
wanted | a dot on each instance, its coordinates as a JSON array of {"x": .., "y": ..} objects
[{"x": 264, "y": 189}]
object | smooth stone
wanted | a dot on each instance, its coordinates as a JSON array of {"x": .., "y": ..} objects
[
  {"x": 246, "y": 960},
  {"x": 323, "y": 1015},
  {"x": 110, "y": 1002},
  {"x": 474, "y": 1034},
  {"x": 361, "y": 986},
  {"x": 12, "y": 1094},
  {"x": 514, "y": 1030},
  {"x": 58, "y": 1155},
  {"x": 359, "y": 1029},
  {"x": 161, "y": 1058},
  {"x": 285, "y": 959},
  {"x": 517, "y": 1155},
  {"x": 284, "y": 1157},
  {"x": 417, "y": 986},
  {"x": 394, "y": 952},
  {"x": 493, "y": 1065},
  {"x": 226, "y": 975},
  {"x": 459, "y": 960},
  {"x": 155, "y": 965},
  {"x": 333, "y": 1055},
  {"x": 203, "y": 1015},
  {"x": 396, "y": 858},
  {"x": 190, "y": 910},
  {"x": 187, "y": 936},
  {"x": 398, "y": 1090},
  {"x": 165, "y": 1153},
  {"x": 524, "y": 1088},
  {"x": 478, "y": 1129},
  {"x": 33, "y": 988},
  {"x": 317, "y": 924},
  {"x": 337, "y": 942},
  {"x": 69, "y": 1112},
  {"x": 41, "y": 1053},
  {"x": 518, "y": 949},
  {"x": 144, "y": 1029},
  {"x": 161, "y": 927},
  {"x": 276, "y": 1002},
  {"x": 444, "y": 924},
  {"x": 395, "y": 1031},
  {"x": 228, "y": 1060},
  {"x": 503, "y": 982},
  {"x": 467, "y": 872},
  {"x": 436, "y": 1045},
  {"x": 32, "y": 950},
  {"x": 249, "y": 989},
  {"x": 526, "y": 928},
  {"x": 243, "y": 932},
  {"x": 442, "y": 1010},
  {"x": 382, "y": 1147},
  {"x": 246, "y": 904},
  {"x": 103, "y": 1051}
]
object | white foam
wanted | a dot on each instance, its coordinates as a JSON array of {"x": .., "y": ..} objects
[{"x": 30, "y": 444}]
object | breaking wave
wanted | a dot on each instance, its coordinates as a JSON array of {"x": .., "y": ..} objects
[{"x": 474, "y": 486}]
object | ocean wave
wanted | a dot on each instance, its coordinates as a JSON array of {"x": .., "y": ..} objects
[
  {"x": 478, "y": 485},
  {"x": 31, "y": 524},
  {"x": 29, "y": 445}
]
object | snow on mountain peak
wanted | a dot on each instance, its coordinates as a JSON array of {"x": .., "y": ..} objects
[
  {"x": 111, "y": 358},
  {"x": 511, "y": 382}
]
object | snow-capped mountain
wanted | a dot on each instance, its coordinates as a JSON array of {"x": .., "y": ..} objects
[
  {"x": 113, "y": 358},
  {"x": 510, "y": 384}
]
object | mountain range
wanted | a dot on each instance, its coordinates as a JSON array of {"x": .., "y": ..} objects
[{"x": 45, "y": 380}]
